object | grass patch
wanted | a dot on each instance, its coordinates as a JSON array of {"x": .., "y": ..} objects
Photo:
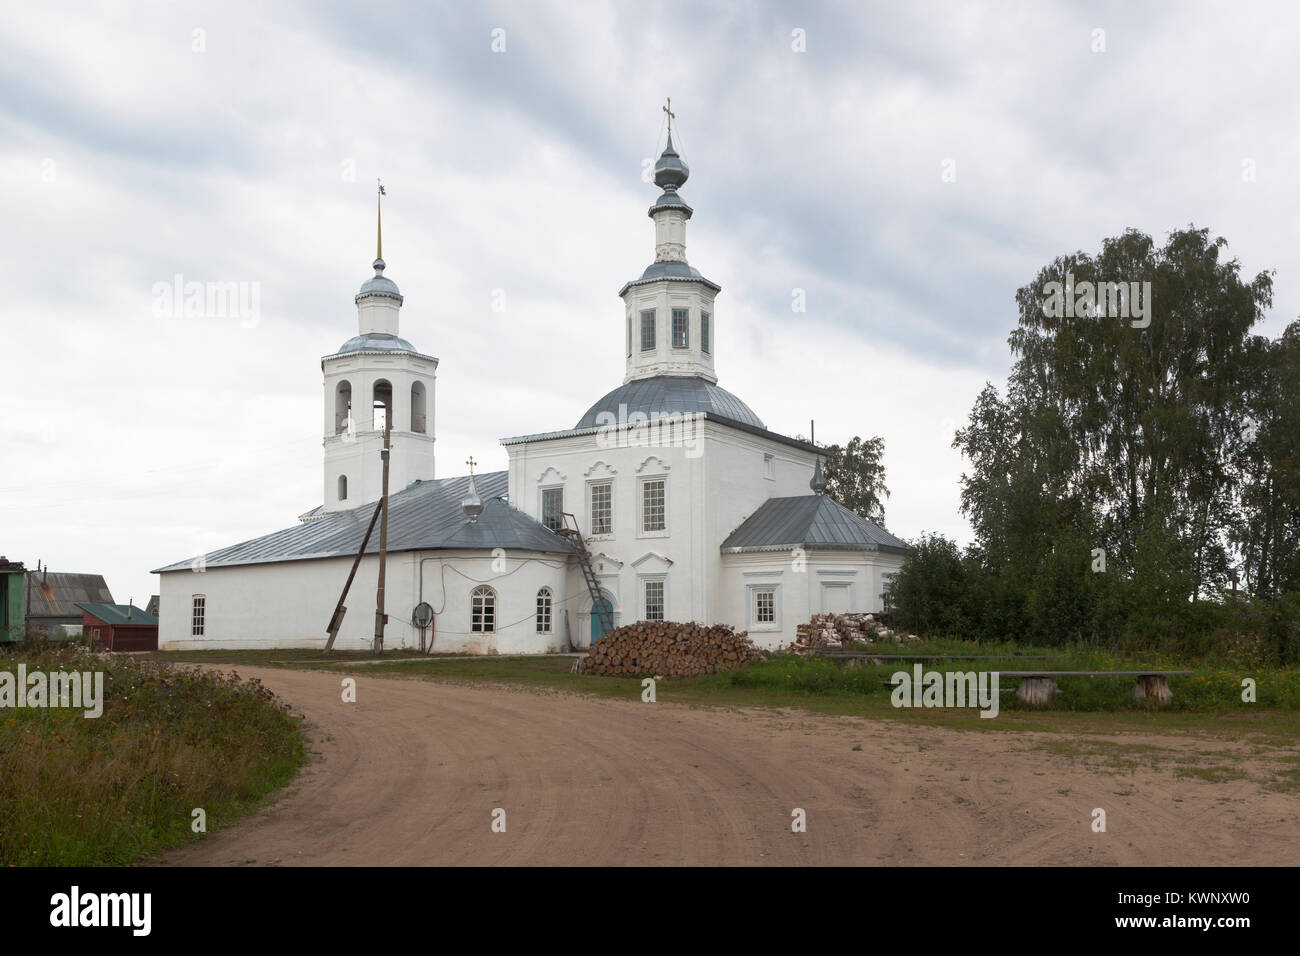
[{"x": 111, "y": 790}]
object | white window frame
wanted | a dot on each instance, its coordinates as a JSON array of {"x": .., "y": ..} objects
[
  {"x": 482, "y": 591},
  {"x": 769, "y": 467},
  {"x": 751, "y": 600},
  {"x": 652, "y": 315},
  {"x": 685, "y": 315},
  {"x": 541, "y": 505},
  {"x": 643, "y": 583},
  {"x": 704, "y": 333},
  {"x": 545, "y": 610},
  {"x": 852, "y": 589},
  {"x": 642, "y": 531},
  {"x": 591, "y": 516},
  {"x": 198, "y": 615}
]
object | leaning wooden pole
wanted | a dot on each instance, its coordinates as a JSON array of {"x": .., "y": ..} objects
[
  {"x": 336, "y": 621},
  {"x": 380, "y": 617}
]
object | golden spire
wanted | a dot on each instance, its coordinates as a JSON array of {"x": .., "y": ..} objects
[
  {"x": 379, "y": 221},
  {"x": 671, "y": 115},
  {"x": 471, "y": 462}
]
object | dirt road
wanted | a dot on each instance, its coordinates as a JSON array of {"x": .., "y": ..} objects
[{"x": 412, "y": 772}]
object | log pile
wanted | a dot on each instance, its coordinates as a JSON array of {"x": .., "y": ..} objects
[
  {"x": 832, "y": 631},
  {"x": 669, "y": 649}
]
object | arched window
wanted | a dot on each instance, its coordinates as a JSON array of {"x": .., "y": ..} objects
[
  {"x": 418, "y": 417},
  {"x": 343, "y": 487},
  {"x": 544, "y": 611},
  {"x": 482, "y": 610},
  {"x": 382, "y": 403},
  {"x": 342, "y": 406}
]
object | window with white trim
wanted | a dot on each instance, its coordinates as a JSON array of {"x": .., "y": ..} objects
[
  {"x": 343, "y": 487},
  {"x": 198, "y": 615},
  {"x": 769, "y": 466},
  {"x": 681, "y": 328},
  {"x": 654, "y": 493},
  {"x": 704, "y": 331},
  {"x": 544, "y": 611},
  {"x": 763, "y": 609},
  {"x": 629, "y": 336},
  {"x": 652, "y": 599},
  {"x": 648, "y": 330},
  {"x": 553, "y": 508},
  {"x": 601, "y": 507},
  {"x": 482, "y": 610}
]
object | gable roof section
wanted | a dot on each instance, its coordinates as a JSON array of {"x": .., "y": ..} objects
[
  {"x": 809, "y": 521},
  {"x": 116, "y": 615},
  {"x": 425, "y": 516},
  {"x": 56, "y": 593}
]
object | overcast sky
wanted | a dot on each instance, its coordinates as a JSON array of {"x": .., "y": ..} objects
[{"x": 239, "y": 142}]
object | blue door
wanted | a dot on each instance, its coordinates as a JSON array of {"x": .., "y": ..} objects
[{"x": 597, "y": 622}]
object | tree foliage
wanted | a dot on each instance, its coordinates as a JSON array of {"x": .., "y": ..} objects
[{"x": 1132, "y": 462}]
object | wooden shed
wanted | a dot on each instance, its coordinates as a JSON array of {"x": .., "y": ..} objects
[{"x": 119, "y": 627}]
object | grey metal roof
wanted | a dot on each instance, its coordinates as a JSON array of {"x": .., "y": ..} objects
[
  {"x": 55, "y": 594},
  {"x": 669, "y": 394},
  {"x": 672, "y": 272},
  {"x": 376, "y": 342},
  {"x": 379, "y": 284},
  {"x": 425, "y": 516},
  {"x": 809, "y": 521}
]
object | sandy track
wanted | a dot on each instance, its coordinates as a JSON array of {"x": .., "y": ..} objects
[{"x": 411, "y": 773}]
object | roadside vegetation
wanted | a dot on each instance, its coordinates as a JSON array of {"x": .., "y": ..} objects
[{"x": 78, "y": 791}]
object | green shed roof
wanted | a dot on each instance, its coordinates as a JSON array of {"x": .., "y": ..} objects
[{"x": 116, "y": 614}]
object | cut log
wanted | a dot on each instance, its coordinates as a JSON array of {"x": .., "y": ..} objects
[
  {"x": 1037, "y": 691},
  {"x": 1154, "y": 687}
]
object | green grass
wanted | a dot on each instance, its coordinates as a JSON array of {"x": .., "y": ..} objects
[
  {"x": 112, "y": 790},
  {"x": 1207, "y": 702}
]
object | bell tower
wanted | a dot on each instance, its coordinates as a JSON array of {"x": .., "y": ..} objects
[
  {"x": 671, "y": 327},
  {"x": 373, "y": 376}
]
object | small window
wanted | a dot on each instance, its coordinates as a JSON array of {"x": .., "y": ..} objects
[
  {"x": 544, "y": 611},
  {"x": 764, "y": 609},
  {"x": 704, "y": 331},
  {"x": 199, "y": 615},
  {"x": 483, "y": 610},
  {"x": 648, "y": 331},
  {"x": 629, "y": 336},
  {"x": 654, "y": 600},
  {"x": 653, "y": 516},
  {"x": 602, "y": 510},
  {"x": 343, "y": 487},
  {"x": 419, "y": 413},
  {"x": 769, "y": 466},
  {"x": 553, "y": 508},
  {"x": 681, "y": 328}
]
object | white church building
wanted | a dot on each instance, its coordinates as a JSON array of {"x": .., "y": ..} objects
[{"x": 668, "y": 500}]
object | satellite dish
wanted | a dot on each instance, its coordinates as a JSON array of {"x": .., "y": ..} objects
[{"x": 422, "y": 615}]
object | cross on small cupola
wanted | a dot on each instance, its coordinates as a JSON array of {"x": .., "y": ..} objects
[
  {"x": 471, "y": 504},
  {"x": 671, "y": 115}
]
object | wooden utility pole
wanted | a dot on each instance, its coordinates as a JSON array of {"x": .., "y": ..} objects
[
  {"x": 380, "y": 617},
  {"x": 340, "y": 609}
]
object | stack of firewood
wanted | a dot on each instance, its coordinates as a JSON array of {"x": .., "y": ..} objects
[
  {"x": 842, "y": 630},
  {"x": 669, "y": 649}
]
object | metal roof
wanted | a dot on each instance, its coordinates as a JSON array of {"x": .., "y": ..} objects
[
  {"x": 426, "y": 516},
  {"x": 669, "y": 394},
  {"x": 671, "y": 271},
  {"x": 809, "y": 521},
  {"x": 55, "y": 594},
  {"x": 379, "y": 285},
  {"x": 371, "y": 342},
  {"x": 117, "y": 614}
]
